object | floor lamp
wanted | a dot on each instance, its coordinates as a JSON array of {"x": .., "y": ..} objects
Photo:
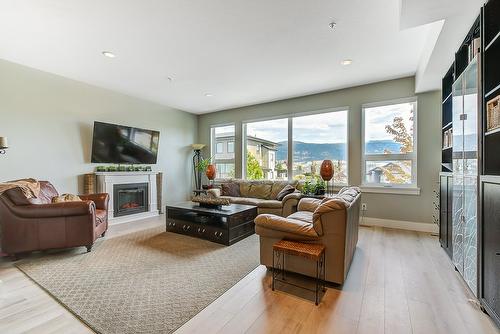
[{"x": 196, "y": 161}]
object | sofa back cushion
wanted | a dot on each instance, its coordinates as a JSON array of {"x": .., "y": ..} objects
[
  {"x": 47, "y": 192},
  {"x": 260, "y": 190}
]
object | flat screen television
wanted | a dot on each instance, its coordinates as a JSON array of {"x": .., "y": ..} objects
[{"x": 124, "y": 145}]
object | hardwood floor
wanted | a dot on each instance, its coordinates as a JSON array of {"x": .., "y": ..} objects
[{"x": 399, "y": 282}]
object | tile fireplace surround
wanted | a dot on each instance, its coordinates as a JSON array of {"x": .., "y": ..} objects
[{"x": 106, "y": 182}]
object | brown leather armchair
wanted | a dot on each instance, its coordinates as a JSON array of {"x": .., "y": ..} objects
[{"x": 38, "y": 224}]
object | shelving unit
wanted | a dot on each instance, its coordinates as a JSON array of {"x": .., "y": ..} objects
[
  {"x": 491, "y": 84},
  {"x": 446, "y": 117},
  {"x": 489, "y": 229}
]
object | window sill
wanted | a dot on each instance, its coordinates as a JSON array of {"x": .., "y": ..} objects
[{"x": 391, "y": 190}]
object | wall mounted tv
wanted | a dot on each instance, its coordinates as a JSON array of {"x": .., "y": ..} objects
[{"x": 124, "y": 145}]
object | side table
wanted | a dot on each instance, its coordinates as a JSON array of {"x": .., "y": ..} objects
[{"x": 315, "y": 252}]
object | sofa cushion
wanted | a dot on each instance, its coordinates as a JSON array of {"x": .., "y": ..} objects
[
  {"x": 288, "y": 189},
  {"x": 273, "y": 211},
  {"x": 305, "y": 216},
  {"x": 287, "y": 225},
  {"x": 230, "y": 189},
  {"x": 47, "y": 192},
  {"x": 243, "y": 200},
  {"x": 245, "y": 188},
  {"x": 308, "y": 204},
  {"x": 260, "y": 190},
  {"x": 270, "y": 203}
]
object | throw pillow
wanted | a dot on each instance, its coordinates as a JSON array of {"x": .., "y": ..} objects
[
  {"x": 288, "y": 189},
  {"x": 66, "y": 198},
  {"x": 260, "y": 190},
  {"x": 230, "y": 189}
]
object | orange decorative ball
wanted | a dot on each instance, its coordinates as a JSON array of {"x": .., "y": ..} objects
[
  {"x": 210, "y": 172},
  {"x": 326, "y": 171}
]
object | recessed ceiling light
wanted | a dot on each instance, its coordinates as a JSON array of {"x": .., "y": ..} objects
[
  {"x": 209, "y": 94},
  {"x": 346, "y": 62},
  {"x": 108, "y": 54}
]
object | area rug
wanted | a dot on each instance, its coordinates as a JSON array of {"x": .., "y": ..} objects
[{"x": 144, "y": 282}]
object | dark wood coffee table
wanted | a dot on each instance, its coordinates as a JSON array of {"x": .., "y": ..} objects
[{"x": 225, "y": 226}]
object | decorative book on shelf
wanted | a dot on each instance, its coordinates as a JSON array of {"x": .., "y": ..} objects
[{"x": 493, "y": 114}]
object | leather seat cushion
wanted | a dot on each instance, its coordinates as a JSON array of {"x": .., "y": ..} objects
[
  {"x": 243, "y": 200},
  {"x": 305, "y": 216},
  {"x": 270, "y": 203},
  {"x": 100, "y": 217}
]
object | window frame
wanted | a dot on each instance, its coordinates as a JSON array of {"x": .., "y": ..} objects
[
  {"x": 213, "y": 148},
  {"x": 411, "y": 188},
  {"x": 289, "y": 117}
]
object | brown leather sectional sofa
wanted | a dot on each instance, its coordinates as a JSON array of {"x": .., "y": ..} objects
[
  {"x": 262, "y": 194},
  {"x": 332, "y": 222},
  {"x": 38, "y": 224}
]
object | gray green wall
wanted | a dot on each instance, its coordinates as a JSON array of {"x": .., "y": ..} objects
[
  {"x": 48, "y": 121},
  {"x": 385, "y": 206}
]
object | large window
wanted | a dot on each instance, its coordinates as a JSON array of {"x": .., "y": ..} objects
[
  {"x": 320, "y": 137},
  {"x": 222, "y": 156},
  {"x": 390, "y": 145},
  {"x": 311, "y": 138},
  {"x": 266, "y": 146}
]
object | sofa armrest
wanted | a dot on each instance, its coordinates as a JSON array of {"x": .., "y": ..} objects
[
  {"x": 286, "y": 225},
  {"x": 289, "y": 203},
  {"x": 101, "y": 200},
  {"x": 63, "y": 209}
]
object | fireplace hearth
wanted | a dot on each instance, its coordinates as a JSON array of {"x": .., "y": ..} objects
[{"x": 130, "y": 198}]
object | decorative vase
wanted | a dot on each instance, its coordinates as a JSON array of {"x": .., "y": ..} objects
[
  {"x": 326, "y": 170},
  {"x": 210, "y": 172}
]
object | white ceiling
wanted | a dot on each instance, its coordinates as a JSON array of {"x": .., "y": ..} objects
[{"x": 243, "y": 52}]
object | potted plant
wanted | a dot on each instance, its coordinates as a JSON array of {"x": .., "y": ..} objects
[
  {"x": 307, "y": 188},
  {"x": 319, "y": 187},
  {"x": 202, "y": 166}
]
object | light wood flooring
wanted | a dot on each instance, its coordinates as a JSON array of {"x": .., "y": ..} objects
[{"x": 399, "y": 282}]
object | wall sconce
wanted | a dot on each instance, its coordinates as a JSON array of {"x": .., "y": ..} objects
[{"x": 3, "y": 145}]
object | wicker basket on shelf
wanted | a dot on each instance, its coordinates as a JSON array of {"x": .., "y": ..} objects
[{"x": 493, "y": 114}]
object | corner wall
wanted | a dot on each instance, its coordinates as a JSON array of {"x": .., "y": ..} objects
[
  {"x": 49, "y": 119},
  {"x": 408, "y": 208}
]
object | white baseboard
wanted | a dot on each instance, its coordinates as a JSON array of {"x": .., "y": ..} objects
[{"x": 399, "y": 224}]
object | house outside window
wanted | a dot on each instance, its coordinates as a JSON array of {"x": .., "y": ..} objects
[
  {"x": 312, "y": 137},
  {"x": 389, "y": 158},
  {"x": 220, "y": 137}
]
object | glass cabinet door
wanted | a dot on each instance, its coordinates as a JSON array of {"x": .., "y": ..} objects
[
  {"x": 458, "y": 174},
  {"x": 470, "y": 196}
]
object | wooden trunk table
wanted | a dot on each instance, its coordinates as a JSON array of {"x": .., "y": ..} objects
[
  {"x": 226, "y": 225},
  {"x": 314, "y": 252}
]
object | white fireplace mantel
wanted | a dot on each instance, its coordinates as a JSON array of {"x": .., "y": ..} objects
[{"x": 106, "y": 182}]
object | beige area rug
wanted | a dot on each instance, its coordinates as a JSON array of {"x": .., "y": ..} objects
[{"x": 144, "y": 282}]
